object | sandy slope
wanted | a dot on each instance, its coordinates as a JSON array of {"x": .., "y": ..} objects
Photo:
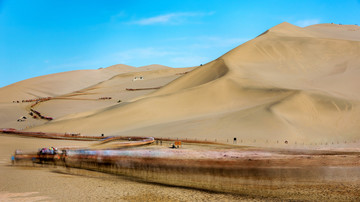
[
  {"x": 59, "y": 83},
  {"x": 80, "y": 91},
  {"x": 87, "y": 99},
  {"x": 45, "y": 86},
  {"x": 289, "y": 83}
]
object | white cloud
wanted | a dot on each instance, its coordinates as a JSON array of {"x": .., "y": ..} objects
[
  {"x": 157, "y": 19},
  {"x": 142, "y": 53},
  {"x": 171, "y": 18},
  {"x": 305, "y": 23}
]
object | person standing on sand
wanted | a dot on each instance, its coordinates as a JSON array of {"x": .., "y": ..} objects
[{"x": 12, "y": 160}]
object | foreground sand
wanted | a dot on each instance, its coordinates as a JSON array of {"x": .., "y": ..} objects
[
  {"x": 264, "y": 174},
  {"x": 50, "y": 184}
]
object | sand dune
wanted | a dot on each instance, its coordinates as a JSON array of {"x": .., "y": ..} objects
[
  {"x": 59, "y": 83},
  {"x": 80, "y": 91},
  {"x": 289, "y": 83},
  {"x": 87, "y": 98},
  {"x": 48, "y": 86}
]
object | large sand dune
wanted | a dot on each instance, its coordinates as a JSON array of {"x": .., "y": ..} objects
[
  {"x": 289, "y": 83},
  {"x": 79, "y": 91}
]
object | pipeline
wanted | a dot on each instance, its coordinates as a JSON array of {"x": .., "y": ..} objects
[{"x": 133, "y": 141}]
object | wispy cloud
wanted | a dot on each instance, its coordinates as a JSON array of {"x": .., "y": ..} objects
[
  {"x": 129, "y": 56},
  {"x": 165, "y": 56},
  {"x": 211, "y": 41},
  {"x": 307, "y": 22},
  {"x": 116, "y": 17},
  {"x": 189, "y": 60},
  {"x": 191, "y": 53},
  {"x": 171, "y": 18},
  {"x": 187, "y": 55}
]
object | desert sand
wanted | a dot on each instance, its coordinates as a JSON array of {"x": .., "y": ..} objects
[
  {"x": 289, "y": 84},
  {"x": 56, "y": 184}
]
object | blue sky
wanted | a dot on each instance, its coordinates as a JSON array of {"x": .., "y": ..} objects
[{"x": 40, "y": 37}]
